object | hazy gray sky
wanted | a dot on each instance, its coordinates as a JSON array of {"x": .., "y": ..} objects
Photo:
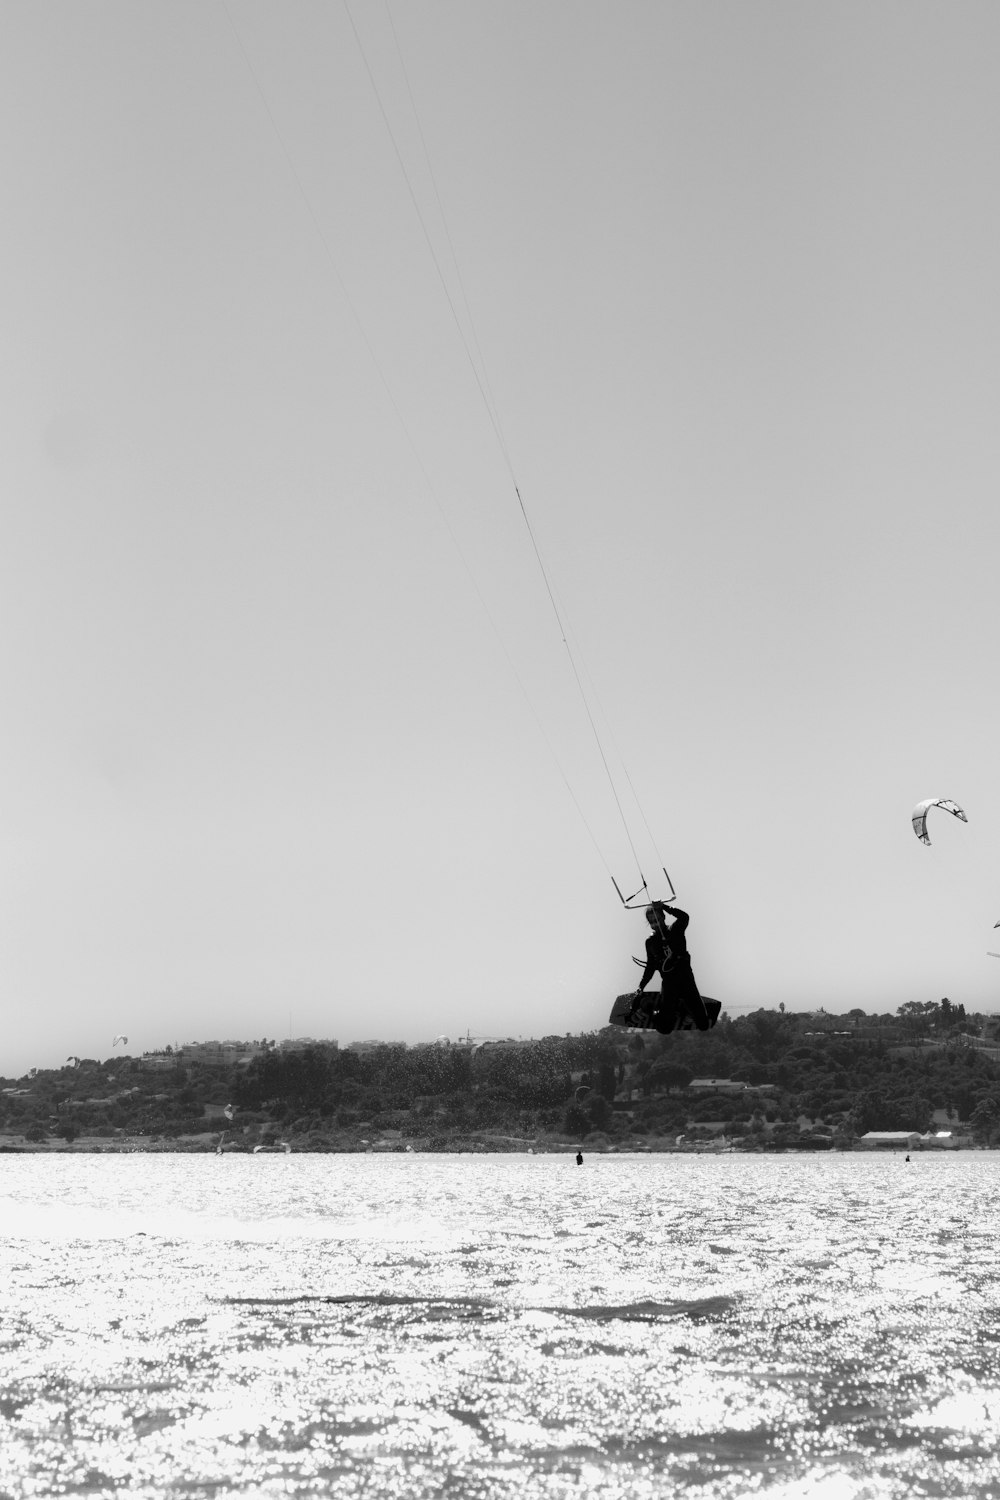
[{"x": 265, "y": 765}]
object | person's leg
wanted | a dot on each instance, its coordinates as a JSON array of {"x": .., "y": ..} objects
[
  {"x": 694, "y": 1006},
  {"x": 668, "y": 1016}
]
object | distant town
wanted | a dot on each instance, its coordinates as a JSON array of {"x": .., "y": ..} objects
[{"x": 926, "y": 1078}]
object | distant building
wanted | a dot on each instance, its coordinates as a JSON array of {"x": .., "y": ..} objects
[
  {"x": 889, "y": 1140},
  {"x": 731, "y": 1086},
  {"x": 821, "y": 1022},
  {"x": 300, "y": 1043},
  {"x": 218, "y": 1052},
  {"x": 943, "y": 1140}
]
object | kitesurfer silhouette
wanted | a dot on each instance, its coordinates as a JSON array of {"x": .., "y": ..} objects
[{"x": 667, "y": 954}]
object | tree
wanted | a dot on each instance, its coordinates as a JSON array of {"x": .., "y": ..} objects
[
  {"x": 918, "y": 1112},
  {"x": 872, "y": 1112},
  {"x": 985, "y": 1118},
  {"x": 669, "y": 1075},
  {"x": 600, "y": 1112}
]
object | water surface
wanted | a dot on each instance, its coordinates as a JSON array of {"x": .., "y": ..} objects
[{"x": 822, "y": 1327}]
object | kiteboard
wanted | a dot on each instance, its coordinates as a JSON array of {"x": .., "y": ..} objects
[{"x": 622, "y": 1013}]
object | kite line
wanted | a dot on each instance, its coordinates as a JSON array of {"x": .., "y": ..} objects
[{"x": 477, "y": 364}]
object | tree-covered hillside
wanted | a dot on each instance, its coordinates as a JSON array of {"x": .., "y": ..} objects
[{"x": 768, "y": 1080}]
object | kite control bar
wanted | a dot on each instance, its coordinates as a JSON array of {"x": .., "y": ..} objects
[{"x": 632, "y": 903}]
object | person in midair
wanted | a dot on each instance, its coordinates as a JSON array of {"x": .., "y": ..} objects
[{"x": 667, "y": 954}]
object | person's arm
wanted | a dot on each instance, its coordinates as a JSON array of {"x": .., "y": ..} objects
[
  {"x": 681, "y": 920},
  {"x": 652, "y": 965}
]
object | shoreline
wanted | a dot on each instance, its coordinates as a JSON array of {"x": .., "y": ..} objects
[{"x": 471, "y": 1147}]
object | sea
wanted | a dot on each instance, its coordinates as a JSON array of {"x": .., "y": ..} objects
[{"x": 810, "y": 1327}]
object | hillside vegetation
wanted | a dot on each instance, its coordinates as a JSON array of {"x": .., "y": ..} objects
[{"x": 766, "y": 1081}]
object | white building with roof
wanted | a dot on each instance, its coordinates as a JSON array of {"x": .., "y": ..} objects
[
  {"x": 889, "y": 1140},
  {"x": 943, "y": 1140}
]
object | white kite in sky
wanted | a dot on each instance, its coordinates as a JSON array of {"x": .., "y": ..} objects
[{"x": 919, "y": 815}]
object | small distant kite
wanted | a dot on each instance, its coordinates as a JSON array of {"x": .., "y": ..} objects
[
  {"x": 74, "y": 1060},
  {"x": 919, "y": 815},
  {"x": 229, "y": 1111}
]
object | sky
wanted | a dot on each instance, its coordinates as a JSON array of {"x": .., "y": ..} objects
[{"x": 309, "y": 312}]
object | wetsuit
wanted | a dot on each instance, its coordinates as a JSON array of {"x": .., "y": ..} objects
[{"x": 667, "y": 954}]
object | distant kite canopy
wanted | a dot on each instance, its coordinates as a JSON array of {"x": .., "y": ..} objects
[
  {"x": 116, "y": 1039},
  {"x": 919, "y": 815}
]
